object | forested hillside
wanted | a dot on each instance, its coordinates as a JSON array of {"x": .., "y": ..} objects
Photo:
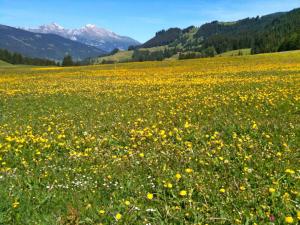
[
  {"x": 16, "y": 58},
  {"x": 270, "y": 33}
]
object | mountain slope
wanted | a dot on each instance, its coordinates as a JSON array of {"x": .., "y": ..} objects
[
  {"x": 4, "y": 64},
  {"x": 235, "y": 35},
  {"x": 283, "y": 34},
  {"x": 163, "y": 37},
  {"x": 48, "y": 46},
  {"x": 270, "y": 33},
  {"x": 90, "y": 35}
]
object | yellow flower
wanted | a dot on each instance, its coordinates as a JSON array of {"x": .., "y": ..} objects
[
  {"x": 118, "y": 216},
  {"x": 272, "y": 190},
  {"x": 242, "y": 188},
  {"x": 142, "y": 155},
  {"x": 150, "y": 196},
  {"x": 222, "y": 190},
  {"x": 238, "y": 221},
  {"x": 289, "y": 219},
  {"x": 178, "y": 176},
  {"x": 183, "y": 193},
  {"x": 188, "y": 170},
  {"x": 127, "y": 203},
  {"x": 101, "y": 211},
  {"x": 289, "y": 171},
  {"x": 16, "y": 204},
  {"x": 298, "y": 215},
  {"x": 187, "y": 125},
  {"x": 169, "y": 185}
]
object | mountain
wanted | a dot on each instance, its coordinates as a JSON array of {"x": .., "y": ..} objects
[
  {"x": 270, "y": 33},
  {"x": 163, "y": 38},
  {"x": 89, "y": 35},
  {"x": 47, "y": 46},
  {"x": 282, "y": 34},
  {"x": 240, "y": 34}
]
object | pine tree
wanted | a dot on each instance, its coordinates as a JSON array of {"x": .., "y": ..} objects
[{"x": 67, "y": 61}]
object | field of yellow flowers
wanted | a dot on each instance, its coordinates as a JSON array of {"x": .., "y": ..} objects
[{"x": 209, "y": 141}]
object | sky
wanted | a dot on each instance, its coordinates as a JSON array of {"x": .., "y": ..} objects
[{"x": 139, "y": 19}]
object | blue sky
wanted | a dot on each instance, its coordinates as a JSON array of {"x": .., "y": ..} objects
[{"x": 139, "y": 19}]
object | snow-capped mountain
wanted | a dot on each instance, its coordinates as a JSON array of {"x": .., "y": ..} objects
[
  {"x": 89, "y": 35},
  {"x": 45, "y": 46}
]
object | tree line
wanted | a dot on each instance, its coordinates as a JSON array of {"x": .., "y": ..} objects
[{"x": 16, "y": 58}]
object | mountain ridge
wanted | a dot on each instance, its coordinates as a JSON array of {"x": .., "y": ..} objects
[
  {"x": 89, "y": 34},
  {"x": 262, "y": 34},
  {"x": 47, "y": 46}
]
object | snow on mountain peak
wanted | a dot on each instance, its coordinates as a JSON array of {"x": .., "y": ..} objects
[
  {"x": 52, "y": 26},
  {"x": 56, "y": 25},
  {"x": 89, "y": 34},
  {"x": 92, "y": 26}
]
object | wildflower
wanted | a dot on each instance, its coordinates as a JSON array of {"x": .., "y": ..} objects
[
  {"x": 169, "y": 185},
  {"x": 187, "y": 125},
  {"x": 118, "y": 216},
  {"x": 178, "y": 176},
  {"x": 289, "y": 171},
  {"x": 188, "y": 170},
  {"x": 298, "y": 215},
  {"x": 222, "y": 190},
  {"x": 15, "y": 204},
  {"x": 242, "y": 188},
  {"x": 272, "y": 218},
  {"x": 238, "y": 221},
  {"x": 150, "y": 196},
  {"x": 101, "y": 211},
  {"x": 272, "y": 190},
  {"x": 142, "y": 155},
  {"x": 127, "y": 203},
  {"x": 150, "y": 210},
  {"x": 289, "y": 219},
  {"x": 183, "y": 193}
]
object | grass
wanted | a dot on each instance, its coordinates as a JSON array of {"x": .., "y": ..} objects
[
  {"x": 204, "y": 141},
  {"x": 239, "y": 52},
  {"x": 121, "y": 56},
  {"x": 125, "y": 56},
  {"x": 4, "y": 64}
]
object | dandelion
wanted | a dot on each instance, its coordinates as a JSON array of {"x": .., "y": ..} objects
[
  {"x": 118, "y": 216},
  {"x": 188, "y": 170},
  {"x": 289, "y": 219},
  {"x": 187, "y": 125},
  {"x": 222, "y": 190},
  {"x": 183, "y": 193},
  {"x": 150, "y": 196},
  {"x": 15, "y": 204},
  {"x": 290, "y": 171},
  {"x": 169, "y": 185},
  {"x": 272, "y": 190},
  {"x": 127, "y": 202},
  {"x": 178, "y": 176},
  {"x": 101, "y": 211}
]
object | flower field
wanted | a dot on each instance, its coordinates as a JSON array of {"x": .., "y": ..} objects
[{"x": 209, "y": 141}]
